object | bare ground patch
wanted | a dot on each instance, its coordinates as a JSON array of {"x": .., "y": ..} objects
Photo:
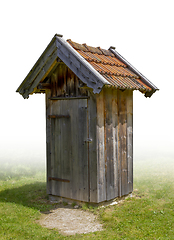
[{"x": 70, "y": 221}]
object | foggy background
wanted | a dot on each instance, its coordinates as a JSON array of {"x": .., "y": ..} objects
[{"x": 141, "y": 31}]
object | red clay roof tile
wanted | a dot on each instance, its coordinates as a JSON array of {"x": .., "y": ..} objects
[{"x": 110, "y": 67}]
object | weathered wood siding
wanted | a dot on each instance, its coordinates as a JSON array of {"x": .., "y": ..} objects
[
  {"x": 114, "y": 143},
  {"x": 67, "y": 149},
  {"x": 89, "y": 139},
  {"x": 101, "y": 165},
  {"x": 67, "y": 135},
  {"x": 92, "y": 153},
  {"x": 130, "y": 139},
  {"x": 64, "y": 83}
]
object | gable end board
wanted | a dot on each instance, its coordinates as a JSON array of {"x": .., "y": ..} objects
[
  {"x": 39, "y": 70},
  {"x": 59, "y": 48}
]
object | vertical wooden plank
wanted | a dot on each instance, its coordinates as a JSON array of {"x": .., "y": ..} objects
[
  {"x": 92, "y": 147},
  {"x": 65, "y": 149},
  {"x": 74, "y": 140},
  {"x": 71, "y": 147},
  {"x": 101, "y": 149},
  {"x": 72, "y": 84},
  {"x": 53, "y": 85},
  {"x": 115, "y": 140},
  {"x": 48, "y": 139},
  {"x": 68, "y": 82},
  {"x": 123, "y": 183},
  {"x": 55, "y": 149},
  {"x": 119, "y": 152},
  {"x": 52, "y": 147},
  {"x": 64, "y": 80},
  {"x": 53, "y": 157},
  {"x": 130, "y": 139},
  {"x": 109, "y": 158},
  {"x": 60, "y": 145},
  {"x": 83, "y": 192},
  {"x": 124, "y": 150},
  {"x": 76, "y": 85},
  {"x": 60, "y": 80}
]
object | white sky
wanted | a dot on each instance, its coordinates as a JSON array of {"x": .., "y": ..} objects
[{"x": 141, "y": 31}]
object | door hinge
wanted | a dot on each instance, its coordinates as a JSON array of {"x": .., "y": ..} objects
[
  {"x": 88, "y": 140},
  {"x": 58, "y": 179}
]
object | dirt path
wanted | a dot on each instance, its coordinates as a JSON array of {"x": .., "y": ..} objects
[{"x": 70, "y": 221}]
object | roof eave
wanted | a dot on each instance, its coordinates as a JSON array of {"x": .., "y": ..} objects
[
  {"x": 58, "y": 48},
  {"x": 133, "y": 69}
]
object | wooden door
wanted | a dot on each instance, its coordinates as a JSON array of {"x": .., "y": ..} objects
[{"x": 69, "y": 149}]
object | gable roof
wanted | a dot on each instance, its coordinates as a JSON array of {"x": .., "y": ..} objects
[{"x": 95, "y": 67}]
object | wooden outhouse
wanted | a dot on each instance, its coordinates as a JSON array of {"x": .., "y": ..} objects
[{"x": 89, "y": 119}]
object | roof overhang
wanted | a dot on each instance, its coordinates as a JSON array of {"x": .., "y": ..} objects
[
  {"x": 133, "y": 69},
  {"x": 56, "y": 50},
  {"x": 60, "y": 50}
]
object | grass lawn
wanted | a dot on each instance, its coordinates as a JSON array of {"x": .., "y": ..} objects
[{"x": 149, "y": 214}]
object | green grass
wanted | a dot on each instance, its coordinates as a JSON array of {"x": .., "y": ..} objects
[{"x": 149, "y": 214}]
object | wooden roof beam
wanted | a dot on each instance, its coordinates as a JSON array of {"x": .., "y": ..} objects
[{"x": 44, "y": 86}]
